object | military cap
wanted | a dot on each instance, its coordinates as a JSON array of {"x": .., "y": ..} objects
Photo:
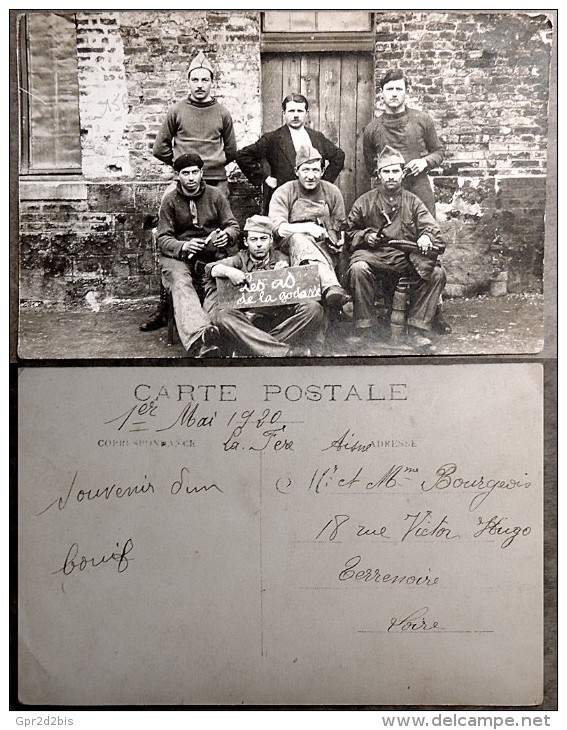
[
  {"x": 389, "y": 156},
  {"x": 200, "y": 61},
  {"x": 259, "y": 223},
  {"x": 306, "y": 153}
]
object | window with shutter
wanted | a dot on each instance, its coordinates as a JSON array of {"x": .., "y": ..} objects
[{"x": 49, "y": 94}]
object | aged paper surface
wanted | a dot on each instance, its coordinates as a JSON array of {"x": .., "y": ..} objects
[{"x": 281, "y": 536}]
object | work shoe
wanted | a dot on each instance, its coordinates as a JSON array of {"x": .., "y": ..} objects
[
  {"x": 209, "y": 351},
  {"x": 156, "y": 320},
  {"x": 210, "y": 336},
  {"x": 417, "y": 338},
  {"x": 299, "y": 351},
  {"x": 439, "y": 324},
  {"x": 336, "y": 297},
  {"x": 208, "y": 343}
]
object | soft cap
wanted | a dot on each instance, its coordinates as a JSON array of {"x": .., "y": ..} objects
[
  {"x": 189, "y": 159},
  {"x": 306, "y": 153},
  {"x": 389, "y": 156},
  {"x": 200, "y": 61},
  {"x": 259, "y": 223}
]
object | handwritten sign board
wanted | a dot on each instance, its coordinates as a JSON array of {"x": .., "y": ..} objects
[
  {"x": 344, "y": 536},
  {"x": 271, "y": 288}
]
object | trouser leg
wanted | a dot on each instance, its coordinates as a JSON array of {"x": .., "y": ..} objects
[
  {"x": 424, "y": 299},
  {"x": 361, "y": 282},
  {"x": 303, "y": 319},
  {"x": 239, "y": 329},
  {"x": 301, "y": 250},
  {"x": 420, "y": 185},
  {"x": 190, "y": 318}
]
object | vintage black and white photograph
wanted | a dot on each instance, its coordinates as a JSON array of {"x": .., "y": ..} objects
[{"x": 249, "y": 183}]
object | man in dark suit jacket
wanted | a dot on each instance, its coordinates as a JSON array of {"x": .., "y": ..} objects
[{"x": 271, "y": 160}]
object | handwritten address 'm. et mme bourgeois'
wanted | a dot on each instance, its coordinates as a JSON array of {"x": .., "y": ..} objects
[{"x": 272, "y": 507}]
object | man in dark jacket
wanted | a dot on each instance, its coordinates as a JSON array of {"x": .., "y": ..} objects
[{"x": 271, "y": 160}]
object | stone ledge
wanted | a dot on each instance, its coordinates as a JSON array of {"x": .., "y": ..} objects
[{"x": 52, "y": 189}]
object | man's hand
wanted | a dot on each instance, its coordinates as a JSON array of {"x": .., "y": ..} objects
[
  {"x": 235, "y": 276},
  {"x": 221, "y": 239},
  {"x": 425, "y": 243},
  {"x": 372, "y": 239},
  {"x": 414, "y": 167},
  {"x": 193, "y": 246},
  {"x": 271, "y": 182},
  {"x": 312, "y": 229},
  {"x": 308, "y": 228},
  {"x": 338, "y": 245}
]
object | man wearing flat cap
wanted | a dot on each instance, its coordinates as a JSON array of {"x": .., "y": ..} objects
[
  {"x": 390, "y": 213},
  {"x": 278, "y": 331},
  {"x": 305, "y": 212},
  {"x": 198, "y": 124},
  {"x": 196, "y": 226}
]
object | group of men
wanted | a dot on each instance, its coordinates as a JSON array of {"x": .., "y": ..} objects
[{"x": 389, "y": 234}]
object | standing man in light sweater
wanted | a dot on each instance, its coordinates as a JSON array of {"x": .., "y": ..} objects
[{"x": 200, "y": 125}]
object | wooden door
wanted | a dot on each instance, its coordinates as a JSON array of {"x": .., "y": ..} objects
[{"x": 340, "y": 90}]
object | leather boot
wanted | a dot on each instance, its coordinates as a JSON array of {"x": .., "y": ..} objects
[
  {"x": 158, "y": 318},
  {"x": 439, "y": 324}
]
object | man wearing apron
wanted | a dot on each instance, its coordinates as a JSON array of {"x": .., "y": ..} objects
[{"x": 306, "y": 214}]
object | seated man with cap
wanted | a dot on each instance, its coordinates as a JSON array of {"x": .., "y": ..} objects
[
  {"x": 303, "y": 212},
  {"x": 196, "y": 123},
  {"x": 390, "y": 213},
  {"x": 278, "y": 331},
  {"x": 196, "y": 226}
]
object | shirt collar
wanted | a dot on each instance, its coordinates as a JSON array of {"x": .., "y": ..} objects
[
  {"x": 198, "y": 194},
  {"x": 253, "y": 266}
]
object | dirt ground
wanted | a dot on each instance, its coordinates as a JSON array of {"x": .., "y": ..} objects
[{"x": 482, "y": 325}]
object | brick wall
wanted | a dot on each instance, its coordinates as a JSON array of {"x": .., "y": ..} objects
[
  {"x": 103, "y": 97},
  {"x": 482, "y": 76},
  {"x": 131, "y": 67}
]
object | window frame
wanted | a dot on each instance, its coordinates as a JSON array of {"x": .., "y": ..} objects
[
  {"x": 317, "y": 41},
  {"x": 25, "y": 101}
]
